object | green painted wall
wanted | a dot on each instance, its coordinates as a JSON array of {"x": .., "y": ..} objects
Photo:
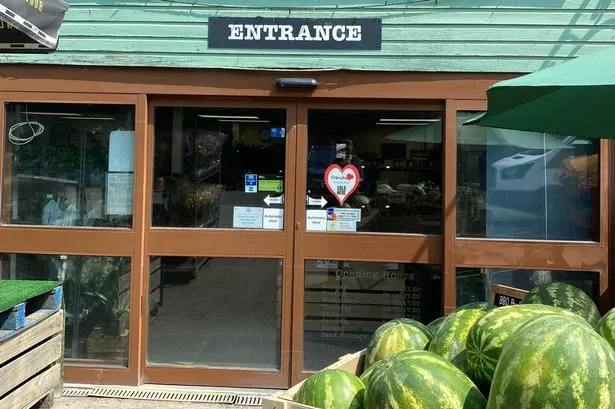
[{"x": 442, "y": 35}]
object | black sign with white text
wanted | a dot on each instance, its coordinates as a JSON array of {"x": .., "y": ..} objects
[{"x": 295, "y": 33}]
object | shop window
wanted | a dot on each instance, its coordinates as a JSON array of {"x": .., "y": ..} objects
[
  {"x": 215, "y": 312},
  {"x": 69, "y": 165},
  {"x": 474, "y": 284},
  {"x": 345, "y": 301},
  {"x": 219, "y": 168},
  {"x": 526, "y": 185},
  {"x": 96, "y": 301},
  {"x": 374, "y": 171}
]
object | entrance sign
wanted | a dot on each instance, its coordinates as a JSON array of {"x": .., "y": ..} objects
[
  {"x": 342, "y": 182},
  {"x": 502, "y": 295},
  {"x": 295, "y": 33}
]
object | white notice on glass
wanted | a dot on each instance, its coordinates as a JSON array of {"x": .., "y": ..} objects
[
  {"x": 247, "y": 217},
  {"x": 316, "y": 220},
  {"x": 273, "y": 219},
  {"x": 119, "y": 193}
]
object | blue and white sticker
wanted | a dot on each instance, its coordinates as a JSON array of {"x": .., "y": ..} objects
[{"x": 251, "y": 183}]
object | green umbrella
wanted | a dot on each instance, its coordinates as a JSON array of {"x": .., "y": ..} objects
[{"x": 576, "y": 97}]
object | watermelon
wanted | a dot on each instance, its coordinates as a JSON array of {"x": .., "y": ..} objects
[
  {"x": 606, "y": 327},
  {"x": 485, "y": 340},
  {"x": 368, "y": 372},
  {"x": 566, "y": 296},
  {"x": 473, "y": 305},
  {"x": 332, "y": 389},
  {"x": 554, "y": 362},
  {"x": 435, "y": 324},
  {"x": 395, "y": 336},
  {"x": 450, "y": 340},
  {"x": 421, "y": 379}
]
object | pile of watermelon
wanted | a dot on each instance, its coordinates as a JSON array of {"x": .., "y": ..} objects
[{"x": 551, "y": 351}]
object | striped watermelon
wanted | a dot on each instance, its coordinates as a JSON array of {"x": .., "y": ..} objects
[
  {"x": 435, "y": 324},
  {"x": 332, "y": 389},
  {"x": 395, "y": 336},
  {"x": 606, "y": 327},
  {"x": 485, "y": 340},
  {"x": 450, "y": 340},
  {"x": 368, "y": 372},
  {"x": 473, "y": 306},
  {"x": 554, "y": 362},
  {"x": 566, "y": 296},
  {"x": 421, "y": 379}
]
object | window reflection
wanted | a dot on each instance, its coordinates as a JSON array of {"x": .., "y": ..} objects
[
  {"x": 96, "y": 301},
  {"x": 395, "y": 157},
  {"x": 69, "y": 164},
  {"x": 526, "y": 185},
  {"x": 345, "y": 301},
  {"x": 219, "y": 168},
  {"x": 474, "y": 284}
]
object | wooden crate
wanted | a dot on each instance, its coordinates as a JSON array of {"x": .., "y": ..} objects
[
  {"x": 31, "y": 352},
  {"x": 284, "y": 400}
]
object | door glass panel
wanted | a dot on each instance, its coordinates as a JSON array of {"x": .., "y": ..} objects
[
  {"x": 345, "y": 301},
  {"x": 219, "y": 168},
  {"x": 96, "y": 301},
  {"x": 526, "y": 185},
  {"x": 69, "y": 164},
  {"x": 222, "y": 312},
  {"x": 474, "y": 284},
  {"x": 374, "y": 171}
]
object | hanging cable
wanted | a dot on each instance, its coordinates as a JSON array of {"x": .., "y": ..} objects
[{"x": 17, "y": 140}]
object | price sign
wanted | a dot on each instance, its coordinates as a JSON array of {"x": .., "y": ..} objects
[{"x": 502, "y": 295}]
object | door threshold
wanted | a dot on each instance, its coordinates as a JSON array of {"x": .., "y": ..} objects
[{"x": 196, "y": 394}]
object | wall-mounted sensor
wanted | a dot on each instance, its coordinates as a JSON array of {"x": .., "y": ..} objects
[{"x": 297, "y": 83}]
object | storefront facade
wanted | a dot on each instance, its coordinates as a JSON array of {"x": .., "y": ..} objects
[{"x": 214, "y": 228}]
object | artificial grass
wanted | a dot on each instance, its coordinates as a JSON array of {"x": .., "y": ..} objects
[{"x": 13, "y": 292}]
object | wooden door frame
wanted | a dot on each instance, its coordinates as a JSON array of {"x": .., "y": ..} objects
[
  {"x": 393, "y": 247},
  {"x": 223, "y": 242},
  {"x": 83, "y": 241},
  {"x": 457, "y": 91},
  {"x": 582, "y": 256}
]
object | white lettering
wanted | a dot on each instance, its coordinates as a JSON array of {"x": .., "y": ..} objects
[
  {"x": 304, "y": 34},
  {"x": 253, "y": 32},
  {"x": 236, "y": 31},
  {"x": 354, "y": 33},
  {"x": 270, "y": 29},
  {"x": 339, "y": 33},
  {"x": 286, "y": 33},
  {"x": 323, "y": 33}
]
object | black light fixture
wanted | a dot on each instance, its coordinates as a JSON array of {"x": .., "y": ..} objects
[{"x": 297, "y": 83}]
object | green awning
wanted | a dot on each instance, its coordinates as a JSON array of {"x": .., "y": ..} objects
[{"x": 576, "y": 97}]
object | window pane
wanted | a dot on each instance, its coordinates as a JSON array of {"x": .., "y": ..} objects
[
  {"x": 222, "y": 312},
  {"x": 69, "y": 164},
  {"x": 386, "y": 165},
  {"x": 474, "y": 284},
  {"x": 345, "y": 301},
  {"x": 96, "y": 301},
  {"x": 526, "y": 185},
  {"x": 219, "y": 168}
]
